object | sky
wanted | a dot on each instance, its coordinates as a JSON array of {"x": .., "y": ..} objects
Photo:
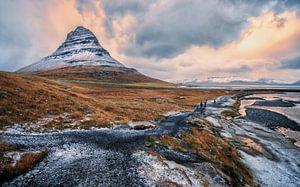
[{"x": 167, "y": 39}]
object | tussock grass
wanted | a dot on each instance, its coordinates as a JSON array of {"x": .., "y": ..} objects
[
  {"x": 234, "y": 112},
  {"x": 27, "y": 161},
  {"x": 210, "y": 146},
  {"x": 219, "y": 151},
  {"x": 167, "y": 183},
  {"x": 28, "y": 98}
]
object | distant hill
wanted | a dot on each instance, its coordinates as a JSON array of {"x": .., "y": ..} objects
[
  {"x": 297, "y": 82},
  {"x": 111, "y": 74},
  {"x": 241, "y": 82}
]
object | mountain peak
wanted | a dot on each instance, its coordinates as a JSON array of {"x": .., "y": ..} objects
[
  {"x": 81, "y": 28},
  {"x": 79, "y": 31},
  {"x": 81, "y": 37},
  {"x": 81, "y": 47}
]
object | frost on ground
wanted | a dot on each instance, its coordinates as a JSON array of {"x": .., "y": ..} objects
[
  {"x": 14, "y": 155},
  {"x": 173, "y": 113},
  {"x": 155, "y": 171},
  {"x": 270, "y": 173},
  {"x": 277, "y": 162},
  {"x": 52, "y": 123},
  {"x": 141, "y": 125},
  {"x": 213, "y": 121}
]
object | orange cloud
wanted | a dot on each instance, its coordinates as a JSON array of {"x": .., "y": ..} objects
[
  {"x": 269, "y": 35},
  {"x": 268, "y": 39}
]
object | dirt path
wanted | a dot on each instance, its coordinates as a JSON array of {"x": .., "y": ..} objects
[{"x": 89, "y": 157}]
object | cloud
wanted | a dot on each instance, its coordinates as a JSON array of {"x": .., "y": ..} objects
[
  {"x": 13, "y": 43},
  {"x": 31, "y": 30},
  {"x": 291, "y": 63},
  {"x": 171, "y": 27},
  {"x": 119, "y": 8},
  {"x": 84, "y": 5},
  {"x": 116, "y": 9},
  {"x": 238, "y": 70},
  {"x": 167, "y": 39}
]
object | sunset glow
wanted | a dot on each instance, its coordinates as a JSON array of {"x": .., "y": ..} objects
[{"x": 260, "y": 47}]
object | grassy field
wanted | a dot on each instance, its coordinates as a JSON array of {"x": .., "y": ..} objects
[
  {"x": 99, "y": 73},
  {"x": 28, "y": 98}
]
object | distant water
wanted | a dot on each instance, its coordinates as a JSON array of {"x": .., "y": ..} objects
[
  {"x": 246, "y": 87},
  {"x": 286, "y": 103},
  {"x": 292, "y": 112}
]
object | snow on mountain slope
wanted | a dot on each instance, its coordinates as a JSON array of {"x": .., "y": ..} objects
[{"x": 80, "y": 48}]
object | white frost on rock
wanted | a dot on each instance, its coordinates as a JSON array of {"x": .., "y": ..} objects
[
  {"x": 270, "y": 173},
  {"x": 15, "y": 156},
  {"x": 173, "y": 113},
  {"x": 154, "y": 171},
  {"x": 148, "y": 124},
  {"x": 214, "y": 121}
]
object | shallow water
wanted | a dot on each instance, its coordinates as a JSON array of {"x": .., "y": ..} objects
[
  {"x": 281, "y": 165},
  {"x": 291, "y": 112}
]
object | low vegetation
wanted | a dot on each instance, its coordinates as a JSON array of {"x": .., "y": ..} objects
[
  {"x": 28, "y": 98},
  {"x": 205, "y": 141},
  {"x": 10, "y": 168},
  {"x": 99, "y": 73},
  {"x": 25, "y": 98},
  {"x": 219, "y": 151},
  {"x": 234, "y": 112},
  {"x": 168, "y": 183}
]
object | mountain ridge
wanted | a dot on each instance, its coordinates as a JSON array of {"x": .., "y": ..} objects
[{"x": 262, "y": 81}]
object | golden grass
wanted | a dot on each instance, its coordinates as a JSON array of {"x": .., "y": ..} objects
[
  {"x": 25, "y": 98},
  {"x": 28, "y": 98},
  {"x": 27, "y": 161},
  {"x": 167, "y": 183},
  {"x": 219, "y": 151},
  {"x": 251, "y": 145},
  {"x": 121, "y": 104},
  {"x": 171, "y": 143},
  {"x": 229, "y": 113},
  {"x": 234, "y": 112},
  {"x": 98, "y": 73},
  {"x": 212, "y": 147}
]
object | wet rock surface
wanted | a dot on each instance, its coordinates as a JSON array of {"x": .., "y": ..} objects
[
  {"x": 271, "y": 119},
  {"x": 275, "y": 103},
  {"x": 278, "y": 164}
]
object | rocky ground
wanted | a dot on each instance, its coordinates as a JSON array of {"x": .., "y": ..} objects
[
  {"x": 271, "y": 119},
  {"x": 196, "y": 148}
]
